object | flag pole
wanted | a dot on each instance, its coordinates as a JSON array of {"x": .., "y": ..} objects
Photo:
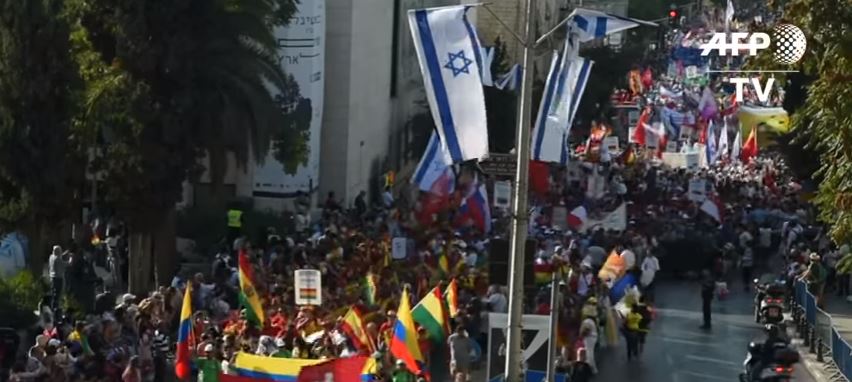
[
  {"x": 520, "y": 214},
  {"x": 554, "y": 320}
]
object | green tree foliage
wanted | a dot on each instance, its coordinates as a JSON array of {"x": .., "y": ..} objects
[
  {"x": 19, "y": 298},
  {"x": 38, "y": 86},
  {"x": 825, "y": 118},
  {"x": 170, "y": 81}
]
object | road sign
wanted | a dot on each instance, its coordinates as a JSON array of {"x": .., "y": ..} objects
[{"x": 500, "y": 164}]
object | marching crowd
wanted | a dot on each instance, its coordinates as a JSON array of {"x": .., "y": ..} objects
[{"x": 607, "y": 274}]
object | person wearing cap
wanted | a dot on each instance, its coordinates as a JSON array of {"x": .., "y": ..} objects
[
  {"x": 401, "y": 374},
  {"x": 209, "y": 364},
  {"x": 815, "y": 277}
]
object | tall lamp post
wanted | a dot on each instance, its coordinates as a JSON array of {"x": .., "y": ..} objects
[{"x": 520, "y": 215}]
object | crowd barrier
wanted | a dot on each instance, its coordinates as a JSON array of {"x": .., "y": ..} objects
[{"x": 819, "y": 334}]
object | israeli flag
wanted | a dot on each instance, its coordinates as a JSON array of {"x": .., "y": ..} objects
[
  {"x": 487, "y": 59},
  {"x": 433, "y": 165},
  {"x": 590, "y": 24},
  {"x": 723, "y": 141},
  {"x": 511, "y": 80},
  {"x": 563, "y": 90},
  {"x": 450, "y": 59}
]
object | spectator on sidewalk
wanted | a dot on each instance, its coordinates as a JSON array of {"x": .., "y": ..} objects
[{"x": 815, "y": 277}]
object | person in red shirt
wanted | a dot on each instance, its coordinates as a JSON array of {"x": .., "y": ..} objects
[{"x": 386, "y": 329}]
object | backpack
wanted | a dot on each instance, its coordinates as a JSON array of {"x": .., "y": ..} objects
[{"x": 645, "y": 323}]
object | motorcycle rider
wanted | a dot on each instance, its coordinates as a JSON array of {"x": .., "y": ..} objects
[{"x": 764, "y": 352}]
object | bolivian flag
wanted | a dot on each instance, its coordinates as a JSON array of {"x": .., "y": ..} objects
[
  {"x": 248, "y": 295},
  {"x": 431, "y": 315}
]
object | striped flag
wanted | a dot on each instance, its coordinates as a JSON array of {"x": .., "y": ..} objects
[
  {"x": 450, "y": 58},
  {"x": 589, "y": 24},
  {"x": 431, "y": 315},
  {"x": 563, "y": 91},
  {"x": 451, "y": 297},
  {"x": 353, "y": 326},
  {"x": 248, "y": 295},
  {"x": 511, "y": 80},
  {"x": 185, "y": 341},
  {"x": 404, "y": 344},
  {"x": 434, "y": 168}
]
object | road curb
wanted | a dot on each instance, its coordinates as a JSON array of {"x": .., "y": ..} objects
[{"x": 818, "y": 370}]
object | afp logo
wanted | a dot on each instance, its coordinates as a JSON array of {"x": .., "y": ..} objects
[{"x": 788, "y": 43}]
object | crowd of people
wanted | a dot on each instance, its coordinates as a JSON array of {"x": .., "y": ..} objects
[{"x": 606, "y": 274}]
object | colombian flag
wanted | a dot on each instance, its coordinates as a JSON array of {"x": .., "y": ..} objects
[
  {"x": 451, "y": 296},
  {"x": 183, "y": 360},
  {"x": 271, "y": 369},
  {"x": 248, "y": 295},
  {"x": 404, "y": 345}
]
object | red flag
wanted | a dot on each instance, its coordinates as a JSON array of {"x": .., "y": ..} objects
[
  {"x": 539, "y": 177},
  {"x": 749, "y": 149},
  {"x": 639, "y": 131},
  {"x": 341, "y": 370}
]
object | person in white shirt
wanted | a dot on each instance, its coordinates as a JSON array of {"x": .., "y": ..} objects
[
  {"x": 387, "y": 197},
  {"x": 589, "y": 331},
  {"x": 56, "y": 270},
  {"x": 650, "y": 267},
  {"x": 496, "y": 300},
  {"x": 584, "y": 284}
]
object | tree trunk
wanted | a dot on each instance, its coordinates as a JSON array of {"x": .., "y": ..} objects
[
  {"x": 141, "y": 278},
  {"x": 167, "y": 259},
  {"x": 41, "y": 237}
]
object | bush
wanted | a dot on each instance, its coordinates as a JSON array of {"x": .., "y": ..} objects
[{"x": 19, "y": 298}]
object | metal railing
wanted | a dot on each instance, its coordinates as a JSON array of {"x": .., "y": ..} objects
[{"x": 818, "y": 333}]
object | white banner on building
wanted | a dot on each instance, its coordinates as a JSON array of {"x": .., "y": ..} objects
[
  {"x": 301, "y": 47},
  {"x": 502, "y": 194}
]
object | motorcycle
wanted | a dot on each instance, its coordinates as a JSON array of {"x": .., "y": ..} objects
[
  {"x": 769, "y": 302},
  {"x": 778, "y": 368}
]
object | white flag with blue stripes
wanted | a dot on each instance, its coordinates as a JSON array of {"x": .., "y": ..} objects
[
  {"x": 433, "y": 165},
  {"x": 450, "y": 59},
  {"x": 511, "y": 80},
  {"x": 564, "y": 89},
  {"x": 590, "y": 24},
  {"x": 487, "y": 55}
]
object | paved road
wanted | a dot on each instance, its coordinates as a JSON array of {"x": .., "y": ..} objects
[{"x": 679, "y": 351}]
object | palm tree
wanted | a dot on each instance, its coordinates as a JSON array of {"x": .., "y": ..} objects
[{"x": 168, "y": 82}]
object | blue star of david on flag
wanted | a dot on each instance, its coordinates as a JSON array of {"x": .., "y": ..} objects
[{"x": 451, "y": 64}]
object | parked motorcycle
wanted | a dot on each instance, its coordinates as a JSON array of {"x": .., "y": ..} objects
[{"x": 769, "y": 302}]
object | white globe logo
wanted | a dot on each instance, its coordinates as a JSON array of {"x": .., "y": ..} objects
[{"x": 790, "y": 43}]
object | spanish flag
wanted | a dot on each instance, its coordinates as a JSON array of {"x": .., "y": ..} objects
[
  {"x": 248, "y": 295},
  {"x": 451, "y": 296},
  {"x": 353, "y": 326},
  {"x": 404, "y": 345},
  {"x": 185, "y": 342}
]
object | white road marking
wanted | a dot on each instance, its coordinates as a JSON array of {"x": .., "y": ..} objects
[
  {"x": 687, "y": 342},
  {"x": 735, "y": 365},
  {"x": 704, "y": 376}
]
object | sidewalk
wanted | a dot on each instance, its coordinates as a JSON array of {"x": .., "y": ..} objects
[{"x": 841, "y": 315}]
